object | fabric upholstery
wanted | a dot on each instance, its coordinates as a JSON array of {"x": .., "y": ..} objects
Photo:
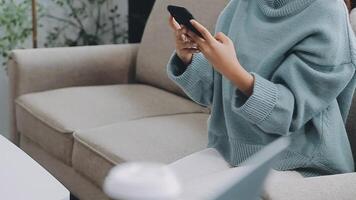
[
  {"x": 53, "y": 141},
  {"x": 162, "y": 139},
  {"x": 202, "y": 174},
  {"x": 50, "y": 117},
  {"x": 35, "y": 70},
  {"x": 335, "y": 187},
  {"x": 199, "y": 164},
  {"x": 73, "y": 181},
  {"x": 158, "y": 42},
  {"x": 90, "y": 164}
]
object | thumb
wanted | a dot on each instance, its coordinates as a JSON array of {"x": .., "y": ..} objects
[{"x": 221, "y": 37}]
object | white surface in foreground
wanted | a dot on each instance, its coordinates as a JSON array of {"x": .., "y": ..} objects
[{"x": 22, "y": 178}]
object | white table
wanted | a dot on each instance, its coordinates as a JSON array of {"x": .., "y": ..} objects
[{"x": 22, "y": 178}]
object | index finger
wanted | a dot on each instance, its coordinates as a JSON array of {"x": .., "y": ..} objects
[
  {"x": 173, "y": 23},
  {"x": 205, "y": 32}
]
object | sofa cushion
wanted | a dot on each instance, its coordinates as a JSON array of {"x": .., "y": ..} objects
[
  {"x": 202, "y": 174},
  {"x": 158, "y": 42},
  {"x": 161, "y": 139},
  {"x": 203, "y": 187},
  {"x": 50, "y": 117},
  {"x": 331, "y": 187}
]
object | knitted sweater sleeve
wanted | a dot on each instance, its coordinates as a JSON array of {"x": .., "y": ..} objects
[
  {"x": 315, "y": 72},
  {"x": 196, "y": 79},
  {"x": 301, "y": 92}
]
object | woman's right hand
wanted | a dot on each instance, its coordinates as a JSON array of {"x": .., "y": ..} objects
[{"x": 185, "y": 47}]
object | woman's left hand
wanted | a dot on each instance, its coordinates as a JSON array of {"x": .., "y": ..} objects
[{"x": 219, "y": 50}]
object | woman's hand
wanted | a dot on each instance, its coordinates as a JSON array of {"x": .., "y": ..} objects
[
  {"x": 220, "y": 51},
  {"x": 185, "y": 47}
]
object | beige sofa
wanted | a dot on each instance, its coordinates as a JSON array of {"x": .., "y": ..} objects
[{"x": 79, "y": 111}]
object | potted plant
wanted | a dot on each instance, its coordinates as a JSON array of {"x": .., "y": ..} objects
[
  {"x": 15, "y": 29},
  {"x": 86, "y": 22}
]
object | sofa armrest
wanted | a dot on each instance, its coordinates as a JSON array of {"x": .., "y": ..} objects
[
  {"x": 35, "y": 70},
  {"x": 340, "y": 187}
]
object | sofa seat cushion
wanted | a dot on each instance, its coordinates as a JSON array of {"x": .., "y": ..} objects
[
  {"x": 49, "y": 118},
  {"x": 203, "y": 187},
  {"x": 160, "y": 139}
]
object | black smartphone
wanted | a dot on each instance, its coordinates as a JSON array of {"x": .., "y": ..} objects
[{"x": 182, "y": 16}]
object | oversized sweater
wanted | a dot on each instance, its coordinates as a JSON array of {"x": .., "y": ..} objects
[{"x": 302, "y": 55}]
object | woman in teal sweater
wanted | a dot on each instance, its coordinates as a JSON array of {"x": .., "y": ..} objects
[{"x": 273, "y": 68}]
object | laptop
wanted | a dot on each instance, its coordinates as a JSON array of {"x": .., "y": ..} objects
[{"x": 239, "y": 183}]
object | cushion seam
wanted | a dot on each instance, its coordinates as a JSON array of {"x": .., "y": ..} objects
[
  {"x": 92, "y": 149},
  {"x": 65, "y": 130},
  {"x": 66, "y": 160},
  {"x": 135, "y": 119},
  {"x": 77, "y": 137},
  {"x": 104, "y": 125},
  {"x": 26, "y": 108}
]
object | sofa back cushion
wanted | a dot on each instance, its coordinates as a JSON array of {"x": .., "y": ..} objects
[{"x": 158, "y": 40}]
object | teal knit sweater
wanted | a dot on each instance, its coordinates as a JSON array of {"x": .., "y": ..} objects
[{"x": 302, "y": 54}]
